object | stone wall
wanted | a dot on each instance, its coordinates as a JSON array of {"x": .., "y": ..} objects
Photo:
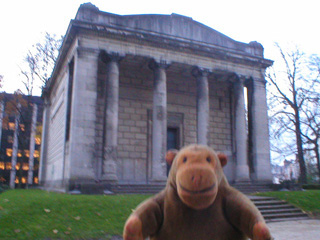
[
  {"x": 54, "y": 167},
  {"x": 136, "y": 91}
]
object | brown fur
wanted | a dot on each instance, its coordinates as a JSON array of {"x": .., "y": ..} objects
[{"x": 197, "y": 204}]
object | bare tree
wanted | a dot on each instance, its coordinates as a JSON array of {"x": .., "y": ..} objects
[
  {"x": 286, "y": 97},
  {"x": 311, "y": 132},
  {"x": 40, "y": 61},
  {"x": 1, "y": 80},
  {"x": 311, "y": 112}
]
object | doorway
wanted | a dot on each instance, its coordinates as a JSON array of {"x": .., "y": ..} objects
[{"x": 172, "y": 141}]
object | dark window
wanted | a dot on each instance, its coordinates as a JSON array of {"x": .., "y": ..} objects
[
  {"x": 172, "y": 141},
  {"x": 69, "y": 100}
]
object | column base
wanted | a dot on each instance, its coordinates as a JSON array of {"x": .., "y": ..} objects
[
  {"x": 243, "y": 180},
  {"x": 109, "y": 177},
  {"x": 242, "y": 174},
  {"x": 109, "y": 173},
  {"x": 158, "y": 181}
]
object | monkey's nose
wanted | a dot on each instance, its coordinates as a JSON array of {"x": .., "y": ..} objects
[{"x": 196, "y": 180}]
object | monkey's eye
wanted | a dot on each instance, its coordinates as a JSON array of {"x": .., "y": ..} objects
[
  {"x": 208, "y": 160},
  {"x": 184, "y": 159}
]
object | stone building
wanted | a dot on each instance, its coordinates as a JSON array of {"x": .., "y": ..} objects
[
  {"x": 126, "y": 88},
  {"x": 20, "y": 139}
]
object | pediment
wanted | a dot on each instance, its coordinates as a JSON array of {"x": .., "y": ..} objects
[
  {"x": 173, "y": 25},
  {"x": 179, "y": 26}
]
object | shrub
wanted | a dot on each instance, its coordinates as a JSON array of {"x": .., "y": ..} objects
[
  {"x": 3, "y": 187},
  {"x": 311, "y": 186}
]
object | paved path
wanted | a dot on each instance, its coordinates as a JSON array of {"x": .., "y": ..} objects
[{"x": 296, "y": 230}]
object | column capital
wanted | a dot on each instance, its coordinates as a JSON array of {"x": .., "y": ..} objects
[
  {"x": 163, "y": 64},
  {"x": 111, "y": 56},
  {"x": 200, "y": 72},
  {"x": 261, "y": 81},
  {"x": 242, "y": 79}
]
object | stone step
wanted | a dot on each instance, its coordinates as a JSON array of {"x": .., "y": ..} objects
[
  {"x": 287, "y": 216},
  {"x": 137, "y": 189},
  {"x": 249, "y": 187},
  {"x": 274, "y": 209},
  {"x": 288, "y": 219},
  {"x": 260, "y": 198},
  {"x": 269, "y": 203},
  {"x": 278, "y": 211},
  {"x": 281, "y": 206}
]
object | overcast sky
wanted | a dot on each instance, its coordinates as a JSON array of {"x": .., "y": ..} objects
[{"x": 23, "y": 22}]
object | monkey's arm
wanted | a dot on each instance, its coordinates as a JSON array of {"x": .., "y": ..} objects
[
  {"x": 145, "y": 220},
  {"x": 245, "y": 216}
]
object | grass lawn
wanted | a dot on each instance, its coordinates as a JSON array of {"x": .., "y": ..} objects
[
  {"x": 309, "y": 200},
  {"x": 36, "y": 214}
]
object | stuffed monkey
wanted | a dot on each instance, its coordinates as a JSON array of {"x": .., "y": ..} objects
[{"x": 196, "y": 204}]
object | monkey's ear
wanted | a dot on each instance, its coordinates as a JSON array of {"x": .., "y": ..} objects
[
  {"x": 223, "y": 159},
  {"x": 170, "y": 155}
]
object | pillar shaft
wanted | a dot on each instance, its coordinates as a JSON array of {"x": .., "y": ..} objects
[
  {"x": 202, "y": 105},
  {"x": 111, "y": 120},
  {"x": 242, "y": 169},
  {"x": 159, "y": 121},
  {"x": 260, "y": 132}
]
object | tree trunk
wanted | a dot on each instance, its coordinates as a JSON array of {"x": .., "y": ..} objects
[
  {"x": 303, "y": 175},
  {"x": 316, "y": 150}
]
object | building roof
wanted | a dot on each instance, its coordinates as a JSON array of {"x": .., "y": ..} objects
[
  {"x": 167, "y": 31},
  {"x": 175, "y": 25}
]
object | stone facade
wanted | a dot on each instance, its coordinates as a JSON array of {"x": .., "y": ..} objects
[{"x": 124, "y": 85}]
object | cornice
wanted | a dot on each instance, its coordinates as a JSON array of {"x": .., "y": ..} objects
[
  {"x": 157, "y": 40},
  {"x": 172, "y": 43}
]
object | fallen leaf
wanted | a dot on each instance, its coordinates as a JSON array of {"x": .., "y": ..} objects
[
  {"x": 77, "y": 218},
  {"x": 55, "y": 231},
  {"x": 47, "y": 210},
  {"x": 17, "y": 230},
  {"x": 99, "y": 214},
  {"x": 66, "y": 232},
  {"x": 69, "y": 228},
  {"x": 1, "y": 208},
  {"x": 6, "y": 200}
]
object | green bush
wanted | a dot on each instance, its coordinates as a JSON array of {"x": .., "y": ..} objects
[
  {"x": 3, "y": 187},
  {"x": 311, "y": 186}
]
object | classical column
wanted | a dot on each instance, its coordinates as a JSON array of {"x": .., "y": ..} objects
[
  {"x": 32, "y": 143},
  {"x": 111, "y": 118},
  {"x": 242, "y": 169},
  {"x": 159, "y": 120},
  {"x": 202, "y": 104},
  {"x": 260, "y": 131}
]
